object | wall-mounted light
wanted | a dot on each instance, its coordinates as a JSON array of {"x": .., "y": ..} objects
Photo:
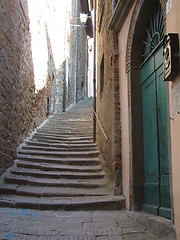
[{"x": 83, "y": 19}]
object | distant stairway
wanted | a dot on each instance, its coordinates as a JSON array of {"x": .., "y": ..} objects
[{"x": 58, "y": 167}]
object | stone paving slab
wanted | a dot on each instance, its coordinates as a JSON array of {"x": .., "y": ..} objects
[{"x": 26, "y": 224}]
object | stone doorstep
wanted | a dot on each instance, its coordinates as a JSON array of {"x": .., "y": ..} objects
[{"x": 161, "y": 227}]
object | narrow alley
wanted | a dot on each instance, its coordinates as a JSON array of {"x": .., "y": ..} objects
[{"x": 89, "y": 119}]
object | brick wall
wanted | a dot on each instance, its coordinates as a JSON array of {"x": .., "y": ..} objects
[{"x": 21, "y": 109}]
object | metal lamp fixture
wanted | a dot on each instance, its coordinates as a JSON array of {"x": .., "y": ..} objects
[{"x": 83, "y": 17}]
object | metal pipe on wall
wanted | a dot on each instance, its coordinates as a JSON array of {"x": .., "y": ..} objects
[{"x": 94, "y": 75}]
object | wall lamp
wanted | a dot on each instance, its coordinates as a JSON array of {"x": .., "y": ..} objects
[{"x": 83, "y": 19}]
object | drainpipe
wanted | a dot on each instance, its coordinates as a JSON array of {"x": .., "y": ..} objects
[{"x": 94, "y": 75}]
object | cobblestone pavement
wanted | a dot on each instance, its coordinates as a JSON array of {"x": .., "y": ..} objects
[{"x": 25, "y": 224}]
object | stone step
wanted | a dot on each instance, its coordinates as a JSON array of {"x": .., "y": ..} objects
[
  {"x": 55, "y": 181},
  {"x": 68, "y": 161},
  {"x": 107, "y": 202},
  {"x": 74, "y": 146},
  {"x": 62, "y": 138},
  {"x": 59, "y": 154},
  {"x": 57, "y": 149},
  {"x": 57, "y": 167},
  {"x": 70, "y": 119},
  {"x": 64, "y": 134},
  {"x": 66, "y": 126},
  {"x": 65, "y": 141},
  {"x": 41, "y": 191},
  {"x": 62, "y": 131},
  {"x": 57, "y": 174}
]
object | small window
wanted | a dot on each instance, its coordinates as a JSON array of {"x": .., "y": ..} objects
[
  {"x": 48, "y": 106},
  {"x": 102, "y": 75}
]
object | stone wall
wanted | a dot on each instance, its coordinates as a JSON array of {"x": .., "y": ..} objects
[
  {"x": 108, "y": 107},
  {"x": 76, "y": 86},
  {"x": 21, "y": 108},
  {"x": 16, "y": 86},
  {"x": 33, "y": 68}
]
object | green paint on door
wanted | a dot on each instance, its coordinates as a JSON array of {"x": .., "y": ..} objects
[{"x": 155, "y": 136}]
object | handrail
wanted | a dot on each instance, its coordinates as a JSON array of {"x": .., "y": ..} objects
[{"x": 101, "y": 126}]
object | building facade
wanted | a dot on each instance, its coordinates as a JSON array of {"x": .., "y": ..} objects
[
  {"x": 76, "y": 80},
  {"x": 138, "y": 101},
  {"x": 36, "y": 62}
]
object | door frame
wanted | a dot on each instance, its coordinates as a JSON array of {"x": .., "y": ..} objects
[{"x": 142, "y": 11}]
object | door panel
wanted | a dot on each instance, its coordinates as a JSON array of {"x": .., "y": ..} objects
[
  {"x": 151, "y": 168},
  {"x": 147, "y": 69},
  {"x": 165, "y": 202},
  {"x": 155, "y": 137}
]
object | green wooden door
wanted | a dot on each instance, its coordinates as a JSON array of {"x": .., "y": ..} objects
[{"x": 155, "y": 136}]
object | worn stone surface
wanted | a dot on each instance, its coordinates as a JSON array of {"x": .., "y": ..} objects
[
  {"x": 59, "y": 167},
  {"x": 21, "y": 107},
  {"x": 16, "y": 86},
  {"x": 28, "y": 224}
]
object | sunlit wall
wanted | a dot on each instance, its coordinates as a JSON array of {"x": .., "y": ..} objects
[{"x": 47, "y": 17}]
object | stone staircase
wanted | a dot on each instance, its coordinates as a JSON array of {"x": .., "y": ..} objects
[{"x": 58, "y": 167}]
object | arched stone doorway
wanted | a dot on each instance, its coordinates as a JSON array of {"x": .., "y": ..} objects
[{"x": 138, "y": 34}]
